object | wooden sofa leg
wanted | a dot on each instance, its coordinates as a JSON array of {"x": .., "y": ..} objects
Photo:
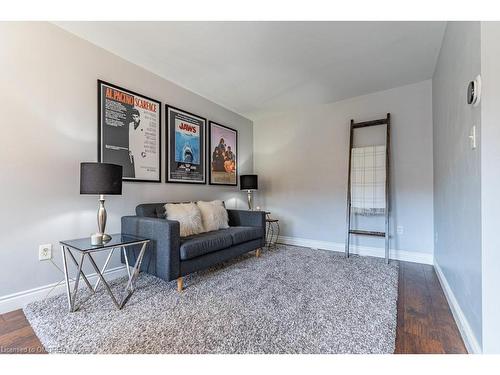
[
  {"x": 179, "y": 284},
  {"x": 257, "y": 252}
]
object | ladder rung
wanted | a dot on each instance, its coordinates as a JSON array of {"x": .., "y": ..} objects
[
  {"x": 367, "y": 233},
  {"x": 369, "y": 123}
]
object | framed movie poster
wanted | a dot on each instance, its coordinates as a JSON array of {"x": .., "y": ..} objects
[
  {"x": 129, "y": 132},
  {"x": 223, "y": 150},
  {"x": 185, "y": 146}
]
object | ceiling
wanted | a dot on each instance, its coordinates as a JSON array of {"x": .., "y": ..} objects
[{"x": 254, "y": 67}]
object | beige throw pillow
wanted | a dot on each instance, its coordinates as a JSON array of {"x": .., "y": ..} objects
[
  {"x": 188, "y": 215},
  {"x": 214, "y": 215}
]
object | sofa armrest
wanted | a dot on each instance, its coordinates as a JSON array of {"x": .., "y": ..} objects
[
  {"x": 162, "y": 257},
  {"x": 249, "y": 219}
]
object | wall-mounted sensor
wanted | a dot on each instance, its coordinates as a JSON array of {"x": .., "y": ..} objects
[{"x": 474, "y": 92}]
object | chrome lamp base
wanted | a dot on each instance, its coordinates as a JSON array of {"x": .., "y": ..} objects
[
  {"x": 101, "y": 223},
  {"x": 250, "y": 199}
]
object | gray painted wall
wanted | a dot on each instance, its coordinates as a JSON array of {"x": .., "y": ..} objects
[
  {"x": 301, "y": 157},
  {"x": 490, "y": 184},
  {"x": 49, "y": 109},
  {"x": 457, "y": 179}
]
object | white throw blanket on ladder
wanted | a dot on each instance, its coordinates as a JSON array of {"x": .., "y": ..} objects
[{"x": 368, "y": 180}]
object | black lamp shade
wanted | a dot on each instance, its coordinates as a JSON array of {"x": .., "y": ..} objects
[
  {"x": 100, "y": 178},
  {"x": 249, "y": 182}
]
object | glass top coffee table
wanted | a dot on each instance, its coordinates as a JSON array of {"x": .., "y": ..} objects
[{"x": 83, "y": 248}]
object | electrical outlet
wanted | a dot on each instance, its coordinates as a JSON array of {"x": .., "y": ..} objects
[
  {"x": 400, "y": 229},
  {"x": 45, "y": 252}
]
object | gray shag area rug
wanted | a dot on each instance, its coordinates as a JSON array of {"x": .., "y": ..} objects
[{"x": 290, "y": 300}]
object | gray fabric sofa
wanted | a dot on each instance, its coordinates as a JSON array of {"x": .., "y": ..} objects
[{"x": 171, "y": 257}]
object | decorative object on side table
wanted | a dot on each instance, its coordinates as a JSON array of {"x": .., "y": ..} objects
[
  {"x": 272, "y": 230},
  {"x": 249, "y": 182},
  {"x": 85, "y": 248},
  {"x": 100, "y": 179}
]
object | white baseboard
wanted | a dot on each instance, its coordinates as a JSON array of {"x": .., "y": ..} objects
[
  {"x": 404, "y": 255},
  {"x": 18, "y": 300},
  {"x": 468, "y": 336}
]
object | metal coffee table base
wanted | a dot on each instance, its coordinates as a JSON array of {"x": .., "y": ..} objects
[{"x": 72, "y": 294}]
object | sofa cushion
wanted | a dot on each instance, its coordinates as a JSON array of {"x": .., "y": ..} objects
[
  {"x": 213, "y": 215},
  {"x": 152, "y": 209},
  {"x": 243, "y": 234},
  {"x": 204, "y": 243},
  {"x": 188, "y": 215}
]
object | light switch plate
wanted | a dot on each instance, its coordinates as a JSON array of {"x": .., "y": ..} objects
[
  {"x": 472, "y": 137},
  {"x": 400, "y": 229}
]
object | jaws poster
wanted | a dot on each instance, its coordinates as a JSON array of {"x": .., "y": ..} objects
[{"x": 186, "y": 146}]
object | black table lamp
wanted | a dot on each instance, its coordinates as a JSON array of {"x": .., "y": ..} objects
[
  {"x": 101, "y": 179},
  {"x": 249, "y": 182}
]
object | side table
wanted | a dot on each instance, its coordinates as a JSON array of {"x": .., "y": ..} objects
[
  {"x": 85, "y": 249},
  {"x": 272, "y": 230}
]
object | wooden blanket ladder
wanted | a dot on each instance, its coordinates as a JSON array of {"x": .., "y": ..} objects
[{"x": 386, "y": 121}]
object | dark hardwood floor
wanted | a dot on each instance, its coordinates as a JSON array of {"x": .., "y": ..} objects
[
  {"x": 16, "y": 335},
  {"x": 425, "y": 323}
]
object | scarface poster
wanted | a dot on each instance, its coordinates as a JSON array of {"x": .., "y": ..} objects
[
  {"x": 129, "y": 132},
  {"x": 185, "y": 146}
]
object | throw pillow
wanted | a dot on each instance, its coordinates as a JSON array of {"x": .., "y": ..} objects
[
  {"x": 188, "y": 215},
  {"x": 214, "y": 215}
]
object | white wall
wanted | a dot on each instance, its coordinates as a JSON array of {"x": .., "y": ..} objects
[
  {"x": 490, "y": 185},
  {"x": 457, "y": 175},
  {"x": 301, "y": 157},
  {"x": 49, "y": 110}
]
